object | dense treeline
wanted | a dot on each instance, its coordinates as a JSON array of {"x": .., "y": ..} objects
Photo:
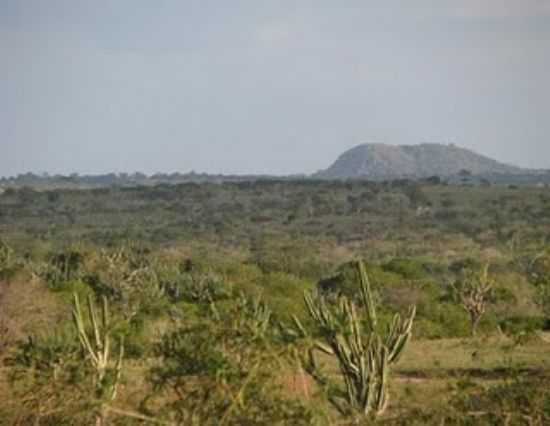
[{"x": 239, "y": 212}]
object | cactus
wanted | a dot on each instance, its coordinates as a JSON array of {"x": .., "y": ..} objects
[
  {"x": 255, "y": 316},
  {"x": 5, "y": 252},
  {"x": 97, "y": 347},
  {"x": 204, "y": 287},
  {"x": 67, "y": 263},
  {"x": 6, "y": 256},
  {"x": 131, "y": 279},
  {"x": 364, "y": 355},
  {"x": 59, "y": 269}
]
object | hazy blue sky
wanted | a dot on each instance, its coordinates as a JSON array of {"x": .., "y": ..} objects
[{"x": 267, "y": 86}]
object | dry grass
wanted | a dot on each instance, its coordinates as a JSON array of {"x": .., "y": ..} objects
[
  {"x": 487, "y": 353},
  {"x": 27, "y": 307}
]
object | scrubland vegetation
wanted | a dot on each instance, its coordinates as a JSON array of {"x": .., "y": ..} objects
[{"x": 264, "y": 303}]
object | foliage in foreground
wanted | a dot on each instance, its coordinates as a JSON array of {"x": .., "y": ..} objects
[{"x": 223, "y": 370}]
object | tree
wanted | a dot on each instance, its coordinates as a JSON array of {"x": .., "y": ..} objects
[{"x": 474, "y": 293}]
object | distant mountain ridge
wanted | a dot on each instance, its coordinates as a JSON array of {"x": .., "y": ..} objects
[
  {"x": 377, "y": 162},
  {"x": 381, "y": 161}
]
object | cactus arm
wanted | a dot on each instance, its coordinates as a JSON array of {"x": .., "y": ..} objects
[
  {"x": 399, "y": 335},
  {"x": 81, "y": 331},
  {"x": 104, "y": 313},
  {"x": 118, "y": 369},
  {"x": 93, "y": 319},
  {"x": 366, "y": 294}
]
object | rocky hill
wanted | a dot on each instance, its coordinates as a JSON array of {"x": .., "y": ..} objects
[{"x": 380, "y": 161}]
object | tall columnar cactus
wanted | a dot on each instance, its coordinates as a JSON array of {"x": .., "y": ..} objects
[
  {"x": 96, "y": 344},
  {"x": 364, "y": 354}
]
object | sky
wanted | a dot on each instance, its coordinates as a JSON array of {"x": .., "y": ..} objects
[{"x": 260, "y": 86}]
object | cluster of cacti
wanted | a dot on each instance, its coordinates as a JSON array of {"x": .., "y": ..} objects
[
  {"x": 59, "y": 269},
  {"x": 68, "y": 263},
  {"x": 145, "y": 280},
  {"x": 474, "y": 293},
  {"x": 206, "y": 287},
  {"x": 129, "y": 278},
  {"x": 118, "y": 272},
  {"x": 364, "y": 354},
  {"x": 255, "y": 316},
  {"x": 96, "y": 345},
  {"x": 44, "y": 271}
]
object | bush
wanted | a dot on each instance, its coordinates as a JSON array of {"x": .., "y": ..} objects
[
  {"x": 518, "y": 324},
  {"x": 521, "y": 401},
  {"x": 46, "y": 373},
  {"x": 442, "y": 320},
  {"x": 465, "y": 264},
  {"x": 68, "y": 288},
  {"x": 213, "y": 374},
  {"x": 137, "y": 343},
  {"x": 344, "y": 280},
  {"x": 200, "y": 288},
  {"x": 284, "y": 294},
  {"x": 407, "y": 268}
]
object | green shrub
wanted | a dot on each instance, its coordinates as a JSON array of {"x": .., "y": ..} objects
[
  {"x": 520, "y": 401},
  {"x": 284, "y": 293},
  {"x": 67, "y": 289},
  {"x": 518, "y": 324},
  {"x": 407, "y": 268},
  {"x": 215, "y": 374},
  {"x": 400, "y": 294},
  {"x": 47, "y": 377},
  {"x": 137, "y": 342},
  {"x": 465, "y": 264},
  {"x": 442, "y": 320},
  {"x": 344, "y": 280}
]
